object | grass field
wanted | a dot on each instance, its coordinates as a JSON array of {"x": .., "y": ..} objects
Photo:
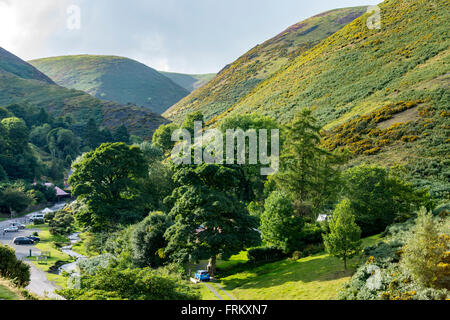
[{"x": 316, "y": 277}]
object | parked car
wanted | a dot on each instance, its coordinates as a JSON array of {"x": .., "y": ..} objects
[
  {"x": 37, "y": 216},
  {"x": 18, "y": 225},
  {"x": 11, "y": 229},
  {"x": 22, "y": 240},
  {"x": 202, "y": 275},
  {"x": 35, "y": 239}
]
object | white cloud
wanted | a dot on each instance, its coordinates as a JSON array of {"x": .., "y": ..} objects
[{"x": 26, "y": 25}]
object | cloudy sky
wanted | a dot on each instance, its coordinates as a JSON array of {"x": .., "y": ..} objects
[{"x": 190, "y": 36}]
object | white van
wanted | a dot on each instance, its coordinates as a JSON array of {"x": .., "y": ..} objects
[{"x": 37, "y": 216}]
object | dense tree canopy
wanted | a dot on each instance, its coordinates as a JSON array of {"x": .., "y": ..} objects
[
  {"x": 148, "y": 242},
  {"x": 108, "y": 180},
  {"x": 378, "y": 197},
  {"x": 208, "y": 219},
  {"x": 279, "y": 226},
  {"x": 162, "y": 138}
]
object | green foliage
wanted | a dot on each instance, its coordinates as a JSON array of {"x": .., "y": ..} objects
[
  {"x": 251, "y": 181},
  {"x": 264, "y": 254},
  {"x": 12, "y": 268},
  {"x": 279, "y": 226},
  {"x": 424, "y": 253},
  {"x": 162, "y": 138},
  {"x": 308, "y": 173},
  {"x": 208, "y": 219},
  {"x": 121, "y": 135},
  {"x": 14, "y": 199},
  {"x": 63, "y": 143},
  {"x": 130, "y": 284},
  {"x": 61, "y": 223},
  {"x": 379, "y": 196},
  {"x": 92, "y": 265},
  {"x": 383, "y": 274},
  {"x": 190, "y": 119},
  {"x": 107, "y": 179},
  {"x": 16, "y": 157},
  {"x": 148, "y": 242},
  {"x": 344, "y": 239}
]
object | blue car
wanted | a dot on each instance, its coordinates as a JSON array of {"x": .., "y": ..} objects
[{"x": 202, "y": 275}]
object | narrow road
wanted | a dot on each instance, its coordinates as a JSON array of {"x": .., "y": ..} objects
[
  {"x": 39, "y": 284},
  {"x": 224, "y": 291},
  {"x": 211, "y": 288}
]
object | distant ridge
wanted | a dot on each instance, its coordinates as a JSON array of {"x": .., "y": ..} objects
[{"x": 113, "y": 78}]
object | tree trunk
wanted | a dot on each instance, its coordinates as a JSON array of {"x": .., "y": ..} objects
[
  {"x": 211, "y": 266},
  {"x": 345, "y": 263}
]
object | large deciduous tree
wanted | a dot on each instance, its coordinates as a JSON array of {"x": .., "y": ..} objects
[
  {"x": 108, "y": 180},
  {"x": 279, "y": 226},
  {"x": 208, "y": 218}
]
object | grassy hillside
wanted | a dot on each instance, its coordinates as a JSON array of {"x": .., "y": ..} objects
[
  {"x": 239, "y": 78},
  {"x": 316, "y": 277},
  {"x": 81, "y": 106},
  {"x": 381, "y": 93},
  {"x": 190, "y": 82},
  {"x": 12, "y": 64},
  {"x": 8, "y": 291},
  {"x": 113, "y": 78}
]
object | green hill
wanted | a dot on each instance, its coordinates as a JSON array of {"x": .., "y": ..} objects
[
  {"x": 239, "y": 78},
  {"x": 12, "y": 64},
  {"x": 114, "y": 79},
  {"x": 81, "y": 106},
  {"x": 190, "y": 82},
  {"x": 382, "y": 94}
]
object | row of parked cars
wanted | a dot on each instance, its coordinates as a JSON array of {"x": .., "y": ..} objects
[
  {"x": 15, "y": 227},
  {"x": 26, "y": 240}
]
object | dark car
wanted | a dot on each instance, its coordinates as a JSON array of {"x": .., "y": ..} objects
[
  {"x": 22, "y": 240},
  {"x": 35, "y": 239}
]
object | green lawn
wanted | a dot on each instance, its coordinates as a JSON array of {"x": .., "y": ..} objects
[{"x": 316, "y": 277}]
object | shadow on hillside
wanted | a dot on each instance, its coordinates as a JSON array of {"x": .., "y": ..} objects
[{"x": 317, "y": 268}]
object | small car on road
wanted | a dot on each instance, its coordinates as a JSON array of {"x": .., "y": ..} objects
[
  {"x": 11, "y": 229},
  {"x": 18, "y": 225},
  {"x": 22, "y": 240},
  {"x": 202, "y": 275}
]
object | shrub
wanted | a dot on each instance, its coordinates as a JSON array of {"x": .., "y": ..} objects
[
  {"x": 92, "y": 265},
  {"x": 61, "y": 223},
  {"x": 12, "y": 268},
  {"x": 130, "y": 284},
  {"x": 264, "y": 254},
  {"x": 38, "y": 221},
  {"x": 311, "y": 234},
  {"x": 425, "y": 250}
]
